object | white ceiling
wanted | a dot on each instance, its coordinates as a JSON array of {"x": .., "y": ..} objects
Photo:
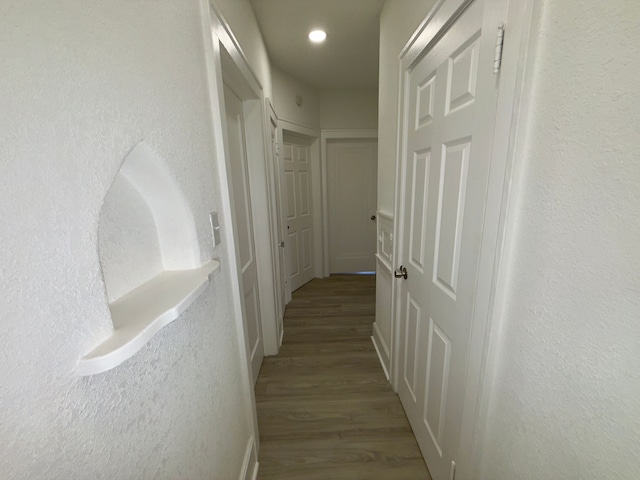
[{"x": 348, "y": 58}]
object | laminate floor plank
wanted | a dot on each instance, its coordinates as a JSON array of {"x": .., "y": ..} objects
[{"x": 325, "y": 408}]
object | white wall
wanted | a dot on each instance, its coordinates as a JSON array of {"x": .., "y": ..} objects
[
  {"x": 567, "y": 386},
  {"x": 398, "y": 21},
  {"x": 285, "y": 90},
  {"x": 348, "y": 109},
  {"x": 80, "y": 87}
]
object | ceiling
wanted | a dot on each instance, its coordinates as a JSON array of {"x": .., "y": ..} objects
[{"x": 348, "y": 59}]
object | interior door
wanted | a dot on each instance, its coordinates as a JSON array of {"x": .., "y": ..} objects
[
  {"x": 244, "y": 225},
  {"x": 450, "y": 104},
  {"x": 299, "y": 245},
  {"x": 352, "y": 189},
  {"x": 281, "y": 300}
]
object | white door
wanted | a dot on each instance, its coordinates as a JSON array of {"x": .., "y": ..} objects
[
  {"x": 299, "y": 244},
  {"x": 280, "y": 264},
  {"x": 352, "y": 189},
  {"x": 448, "y": 129},
  {"x": 244, "y": 226}
]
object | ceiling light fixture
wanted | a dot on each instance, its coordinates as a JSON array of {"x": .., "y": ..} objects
[{"x": 317, "y": 36}]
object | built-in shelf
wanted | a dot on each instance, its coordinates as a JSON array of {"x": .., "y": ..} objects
[
  {"x": 143, "y": 312},
  {"x": 149, "y": 255}
]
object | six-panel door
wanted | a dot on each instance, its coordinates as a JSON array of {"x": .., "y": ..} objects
[{"x": 448, "y": 132}]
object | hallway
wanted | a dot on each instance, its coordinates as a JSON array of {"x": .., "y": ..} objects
[{"x": 325, "y": 408}]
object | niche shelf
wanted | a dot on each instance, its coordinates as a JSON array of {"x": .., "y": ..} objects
[
  {"x": 143, "y": 312},
  {"x": 150, "y": 258}
]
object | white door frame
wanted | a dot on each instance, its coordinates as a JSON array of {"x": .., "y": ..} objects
[
  {"x": 325, "y": 137},
  {"x": 221, "y": 47},
  {"x": 482, "y": 355}
]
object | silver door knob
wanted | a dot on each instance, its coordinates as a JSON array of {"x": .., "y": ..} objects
[
  {"x": 281, "y": 244},
  {"x": 401, "y": 273}
]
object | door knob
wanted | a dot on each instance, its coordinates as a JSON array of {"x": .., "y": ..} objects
[
  {"x": 281, "y": 244},
  {"x": 401, "y": 273},
  {"x": 373, "y": 217}
]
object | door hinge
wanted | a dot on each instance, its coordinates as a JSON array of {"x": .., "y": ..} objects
[{"x": 497, "y": 59}]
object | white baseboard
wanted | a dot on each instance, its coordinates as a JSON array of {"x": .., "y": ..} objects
[
  {"x": 250, "y": 464},
  {"x": 381, "y": 349}
]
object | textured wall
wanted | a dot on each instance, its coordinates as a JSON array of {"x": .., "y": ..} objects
[
  {"x": 80, "y": 86},
  {"x": 349, "y": 109},
  {"x": 566, "y": 395}
]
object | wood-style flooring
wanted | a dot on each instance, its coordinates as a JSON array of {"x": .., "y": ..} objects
[{"x": 325, "y": 409}]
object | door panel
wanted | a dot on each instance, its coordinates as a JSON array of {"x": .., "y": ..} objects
[
  {"x": 244, "y": 226},
  {"x": 449, "y": 119},
  {"x": 352, "y": 189},
  {"x": 297, "y": 172}
]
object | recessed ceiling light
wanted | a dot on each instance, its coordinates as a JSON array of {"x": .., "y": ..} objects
[{"x": 317, "y": 36}]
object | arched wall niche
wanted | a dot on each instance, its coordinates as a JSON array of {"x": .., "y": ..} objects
[{"x": 149, "y": 255}]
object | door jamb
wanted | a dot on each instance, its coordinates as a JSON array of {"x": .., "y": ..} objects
[{"x": 507, "y": 141}]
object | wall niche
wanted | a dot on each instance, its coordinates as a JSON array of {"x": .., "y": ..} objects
[{"x": 150, "y": 257}]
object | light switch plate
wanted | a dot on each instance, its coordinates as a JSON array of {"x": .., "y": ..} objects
[{"x": 215, "y": 227}]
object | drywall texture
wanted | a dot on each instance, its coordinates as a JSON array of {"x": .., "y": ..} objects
[
  {"x": 398, "y": 20},
  {"x": 285, "y": 90},
  {"x": 565, "y": 399},
  {"x": 241, "y": 18},
  {"x": 348, "y": 109},
  {"x": 80, "y": 87}
]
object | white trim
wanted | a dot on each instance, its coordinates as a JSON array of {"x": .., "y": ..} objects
[
  {"x": 215, "y": 33},
  {"x": 298, "y": 127},
  {"x": 512, "y": 78},
  {"x": 381, "y": 349},
  {"x": 325, "y": 137},
  {"x": 249, "y": 469},
  {"x": 222, "y": 30}
]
